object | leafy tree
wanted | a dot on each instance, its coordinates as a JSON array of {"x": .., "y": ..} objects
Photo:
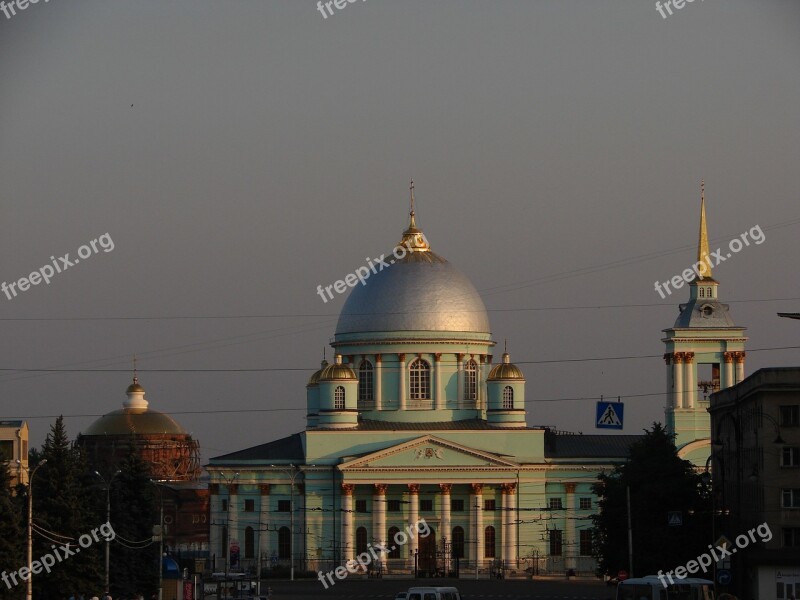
[
  {"x": 134, "y": 557},
  {"x": 12, "y": 535},
  {"x": 659, "y": 482},
  {"x": 65, "y": 507}
]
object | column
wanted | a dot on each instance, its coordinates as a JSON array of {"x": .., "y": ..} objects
[
  {"x": 402, "y": 383},
  {"x": 379, "y": 516},
  {"x": 511, "y": 518},
  {"x": 413, "y": 518},
  {"x": 689, "y": 377},
  {"x": 677, "y": 374},
  {"x": 378, "y": 382},
  {"x": 670, "y": 382},
  {"x": 445, "y": 529},
  {"x": 438, "y": 392},
  {"x": 460, "y": 375},
  {"x": 215, "y": 528},
  {"x": 348, "y": 533},
  {"x": 739, "y": 358},
  {"x": 476, "y": 507},
  {"x": 233, "y": 519},
  {"x": 570, "y": 543},
  {"x": 727, "y": 371},
  {"x": 263, "y": 519}
]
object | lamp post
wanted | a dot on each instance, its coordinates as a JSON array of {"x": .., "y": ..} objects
[
  {"x": 229, "y": 482},
  {"x": 108, "y": 519},
  {"x": 293, "y": 472},
  {"x": 29, "y": 583}
]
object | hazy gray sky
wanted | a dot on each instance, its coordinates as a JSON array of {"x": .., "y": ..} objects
[{"x": 240, "y": 153}]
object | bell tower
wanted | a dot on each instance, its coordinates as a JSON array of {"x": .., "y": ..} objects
[{"x": 703, "y": 334}]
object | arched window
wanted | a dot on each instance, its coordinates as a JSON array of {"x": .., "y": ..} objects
[
  {"x": 708, "y": 293},
  {"x": 420, "y": 380},
  {"x": 361, "y": 540},
  {"x": 508, "y": 397},
  {"x": 249, "y": 543},
  {"x": 338, "y": 398},
  {"x": 702, "y": 292},
  {"x": 366, "y": 387},
  {"x": 395, "y": 548},
  {"x": 458, "y": 542},
  {"x": 470, "y": 381},
  {"x": 284, "y": 543},
  {"x": 488, "y": 542}
]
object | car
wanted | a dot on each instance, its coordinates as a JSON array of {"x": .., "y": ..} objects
[
  {"x": 401, "y": 596},
  {"x": 433, "y": 593}
]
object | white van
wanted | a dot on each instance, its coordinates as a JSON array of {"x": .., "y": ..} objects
[
  {"x": 433, "y": 593},
  {"x": 652, "y": 588}
]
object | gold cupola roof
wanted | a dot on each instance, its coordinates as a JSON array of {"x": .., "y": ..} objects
[
  {"x": 314, "y": 379},
  {"x": 505, "y": 370},
  {"x": 337, "y": 372}
]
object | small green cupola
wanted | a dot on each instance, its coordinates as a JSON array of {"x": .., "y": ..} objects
[
  {"x": 338, "y": 393},
  {"x": 506, "y": 395},
  {"x": 312, "y": 397}
]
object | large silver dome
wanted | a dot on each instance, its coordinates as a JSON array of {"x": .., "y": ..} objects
[{"x": 420, "y": 292}]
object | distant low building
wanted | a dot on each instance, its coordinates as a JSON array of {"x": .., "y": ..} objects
[{"x": 14, "y": 450}]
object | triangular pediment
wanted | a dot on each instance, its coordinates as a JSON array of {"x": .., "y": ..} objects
[{"x": 427, "y": 451}]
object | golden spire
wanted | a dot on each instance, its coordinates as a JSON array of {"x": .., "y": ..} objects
[
  {"x": 413, "y": 239},
  {"x": 135, "y": 378},
  {"x": 412, "y": 224},
  {"x": 702, "y": 244}
]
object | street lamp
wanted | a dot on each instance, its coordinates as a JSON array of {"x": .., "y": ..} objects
[
  {"x": 108, "y": 518},
  {"x": 29, "y": 584},
  {"x": 293, "y": 473},
  {"x": 229, "y": 483}
]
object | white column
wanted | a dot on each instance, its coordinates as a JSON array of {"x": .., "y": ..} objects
[
  {"x": 401, "y": 388},
  {"x": 263, "y": 519},
  {"x": 677, "y": 362},
  {"x": 505, "y": 513},
  {"x": 378, "y": 382},
  {"x": 379, "y": 516},
  {"x": 476, "y": 506},
  {"x": 727, "y": 371},
  {"x": 233, "y": 518},
  {"x": 670, "y": 382},
  {"x": 460, "y": 375},
  {"x": 689, "y": 378},
  {"x": 739, "y": 358},
  {"x": 348, "y": 534},
  {"x": 446, "y": 532},
  {"x": 438, "y": 392},
  {"x": 413, "y": 518},
  {"x": 511, "y": 519},
  {"x": 570, "y": 542}
]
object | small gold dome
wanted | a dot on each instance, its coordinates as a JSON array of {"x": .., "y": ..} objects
[
  {"x": 337, "y": 372},
  {"x": 314, "y": 379},
  {"x": 506, "y": 370}
]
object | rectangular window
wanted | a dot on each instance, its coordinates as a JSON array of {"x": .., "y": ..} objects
[
  {"x": 586, "y": 542},
  {"x": 426, "y": 505},
  {"x": 791, "y": 498},
  {"x": 284, "y": 506},
  {"x": 224, "y": 509},
  {"x": 489, "y": 505},
  {"x": 791, "y": 537},
  {"x": 790, "y": 415},
  {"x": 361, "y": 506},
  {"x": 586, "y": 504},
  {"x": 456, "y": 505},
  {"x": 249, "y": 506},
  {"x": 555, "y": 504},
  {"x": 393, "y": 505},
  {"x": 6, "y": 450},
  {"x": 790, "y": 456},
  {"x": 556, "y": 547}
]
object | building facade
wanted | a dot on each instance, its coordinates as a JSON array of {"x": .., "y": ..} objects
[
  {"x": 412, "y": 420},
  {"x": 14, "y": 450}
]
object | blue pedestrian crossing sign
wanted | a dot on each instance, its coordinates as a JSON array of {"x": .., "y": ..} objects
[{"x": 609, "y": 415}]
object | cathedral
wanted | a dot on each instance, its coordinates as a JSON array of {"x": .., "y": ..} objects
[{"x": 414, "y": 420}]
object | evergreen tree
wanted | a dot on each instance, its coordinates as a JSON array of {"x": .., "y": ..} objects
[
  {"x": 134, "y": 556},
  {"x": 12, "y": 536},
  {"x": 65, "y": 507},
  {"x": 660, "y": 482}
]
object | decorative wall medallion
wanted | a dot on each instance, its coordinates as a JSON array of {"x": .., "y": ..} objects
[{"x": 430, "y": 452}]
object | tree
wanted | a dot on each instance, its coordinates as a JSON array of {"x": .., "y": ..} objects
[
  {"x": 66, "y": 507},
  {"x": 134, "y": 557},
  {"x": 660, "y": 482},
  {"x": 12, "y": 535}
]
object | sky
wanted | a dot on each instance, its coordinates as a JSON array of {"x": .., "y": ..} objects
[{"x": 238, "y": 154}]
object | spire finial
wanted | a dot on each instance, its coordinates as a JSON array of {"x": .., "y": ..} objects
[
  {"x": 505, "y": 345},
  {"x": 703, "y": 256},
  {"x": 411, "y": 187},
  {"x": 135, "y": 378}
]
